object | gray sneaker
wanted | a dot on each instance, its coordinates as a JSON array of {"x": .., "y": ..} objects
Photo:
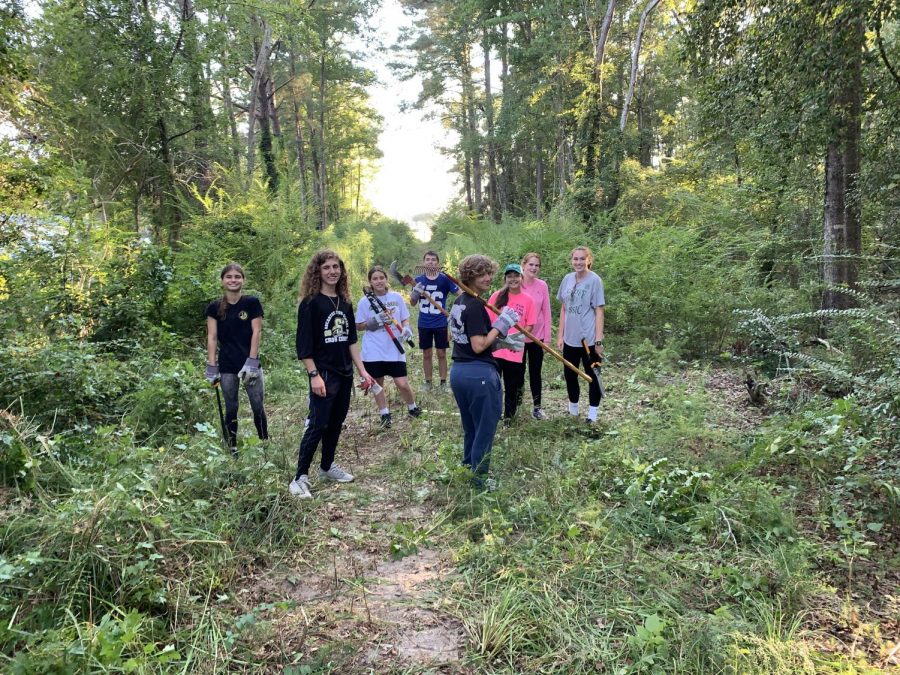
[
  {"x": 299, "y": 487},
  {"x": 335, "y": 473},
  {"x": 443, "y": 388},
  {"x": 427, "y": 387},
  {"x": 538, "y": 414}
]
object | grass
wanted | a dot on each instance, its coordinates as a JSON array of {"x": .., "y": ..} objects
[{"x": 658, "y": 540}]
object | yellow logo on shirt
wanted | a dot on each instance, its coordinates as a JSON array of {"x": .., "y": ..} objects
[{"x": 242, "y": 315}]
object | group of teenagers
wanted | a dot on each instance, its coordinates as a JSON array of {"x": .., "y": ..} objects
[{"x": 490, "y": 354}]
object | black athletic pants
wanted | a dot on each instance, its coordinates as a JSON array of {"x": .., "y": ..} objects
[
  {"x": 580, "y": 358},
  {"x": 326, "y": 419},
  {"x": 513, "y": 375},
  {"x": 534, "y": 358}
]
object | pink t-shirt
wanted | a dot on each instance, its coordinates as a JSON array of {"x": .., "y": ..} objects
[
  {"x": 524, "y": 307},
  {"x": 540, "y": 296}
]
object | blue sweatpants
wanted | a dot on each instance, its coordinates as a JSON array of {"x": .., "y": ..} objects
[{"x": 476, "y": 386}]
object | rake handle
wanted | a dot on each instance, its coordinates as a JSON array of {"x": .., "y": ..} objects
[{"x": 543, "y": 345}]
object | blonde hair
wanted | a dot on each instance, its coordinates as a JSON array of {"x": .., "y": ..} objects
[
  {"x": 474, "y": 266},
  {"x": 589, "y": 254},
  {"x": 311, "y": 284},
  {"x": 528, "y": 256}
]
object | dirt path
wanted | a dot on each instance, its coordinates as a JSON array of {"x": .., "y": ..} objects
[{"x": 359, "y": 601}]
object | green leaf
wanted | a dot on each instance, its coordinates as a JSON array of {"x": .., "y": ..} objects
[{"x": 654, "y": 624}]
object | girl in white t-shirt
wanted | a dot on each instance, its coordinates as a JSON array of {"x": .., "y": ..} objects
[{"x": 380, "y": 354}]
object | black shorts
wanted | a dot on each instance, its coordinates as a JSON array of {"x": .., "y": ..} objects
[
  {"x": 379, "y": 369},
  {"x": 436, "y": 337}
]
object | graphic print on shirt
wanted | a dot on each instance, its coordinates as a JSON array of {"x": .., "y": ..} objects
[
  {"x": 391, "y": 304},
  {"x": 578, "y": 302},
  {"x": 425, "y": 307},
  {"x": 336, "y": 328},
  {"x": 457, "y": 327}
]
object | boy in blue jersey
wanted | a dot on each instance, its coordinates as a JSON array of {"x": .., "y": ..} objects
[{"x": 432, "y": 322}]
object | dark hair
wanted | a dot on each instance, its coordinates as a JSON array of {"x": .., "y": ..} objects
[
  {"x": 223, "y": 301},
  {"x": 311, "y": 283},
  {"x": 428, "y": 253},
  {"x": 377, "y": 268},
  {"x": 503, "y": 295}
]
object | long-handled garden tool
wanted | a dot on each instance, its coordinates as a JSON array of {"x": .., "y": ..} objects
[
  {"x": 543, "y": 345},
  {"x": 376, "y": 304},
  {"x": 217, "y": 385},
  {"x": 595, "y": 365}
]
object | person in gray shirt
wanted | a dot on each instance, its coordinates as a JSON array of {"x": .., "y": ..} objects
[{"x": 581, "y": 318}]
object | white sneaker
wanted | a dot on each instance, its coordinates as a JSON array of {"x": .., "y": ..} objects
[
  {"x": 538, "y": 413},
  {"x": 299, "y": 487},
  {"x": 335, "y": 473},
  {"x": 427, "y": 387}
]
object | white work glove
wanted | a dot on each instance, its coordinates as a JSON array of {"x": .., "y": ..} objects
[
  {"x": 377, "y": 321},
  {"x": 249, "y": 372},
  {"x": 417, "y": 293},
  {"x": 505, "y": 320},
  {"x": 406, "y": 333},
  {"x": 514, "y": 342}
]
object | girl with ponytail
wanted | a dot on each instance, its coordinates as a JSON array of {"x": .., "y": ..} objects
[{"x": 233, "y": 334}]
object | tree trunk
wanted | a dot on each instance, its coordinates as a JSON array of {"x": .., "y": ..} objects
[
  {"x": 472, "y": 129},
  {"x": 265, "y": 129},
  {"x": 467, "y": 164},
  {"x": 201, "y": 112},
  {"x": 298, "y": 139},
  {"x": 539, "y": 185},
  {"x": 235, "y": 143},
  {"x": 262, "y": 57},
  {"x": 505, "y": 170},
  {"x": 635, "y": 54},
  {"x": 600, "y": 47},
  {"x": 493, "y": 197},
  {"x": 323, "y": 174},
  {"x": 316, "y": 165},
  {"x": 842, "y": 222}
]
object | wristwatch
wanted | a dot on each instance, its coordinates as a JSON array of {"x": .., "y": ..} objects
[
  {"x": 598, "y": 343},
  {"x": 312, "y": 373}
]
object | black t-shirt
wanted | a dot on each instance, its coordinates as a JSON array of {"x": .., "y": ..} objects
[
  {"x": 325, "y": 331},
  {"x": 235, "y": 330},
  {"x": 469, "y": 317}
]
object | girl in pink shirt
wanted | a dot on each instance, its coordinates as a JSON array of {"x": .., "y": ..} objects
[
  {"x": 512, "y": 369},
  {"x": 539, "y": 293}
]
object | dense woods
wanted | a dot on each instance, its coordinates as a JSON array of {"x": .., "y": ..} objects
[{"x": 733, "y": 165}]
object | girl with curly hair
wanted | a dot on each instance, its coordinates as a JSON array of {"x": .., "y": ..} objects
[
  {"x": 326, "y": 343},
  {"x": 474, "y": 378}
]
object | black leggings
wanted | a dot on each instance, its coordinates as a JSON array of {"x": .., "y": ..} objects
[
  {"x": 513, "y": 375},
  {"x": 582, "y": 359},
  {"x": 534, "y": 358},
  {"x": 326, "y": 419}
]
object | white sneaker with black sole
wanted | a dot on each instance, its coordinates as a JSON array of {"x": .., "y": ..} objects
[{"x": 335, "y": 473}]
